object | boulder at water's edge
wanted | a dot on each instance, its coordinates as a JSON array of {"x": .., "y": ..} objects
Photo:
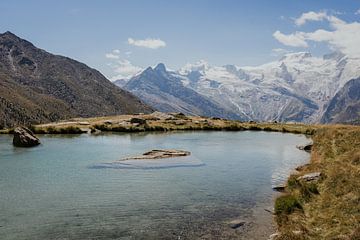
[{"x": 24, "y": 137}]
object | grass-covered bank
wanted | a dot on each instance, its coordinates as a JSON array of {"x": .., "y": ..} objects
[
  {"x": 161, "y": 122},
  {"x": 327, "y": 208}
]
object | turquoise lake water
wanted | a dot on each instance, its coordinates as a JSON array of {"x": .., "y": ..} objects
[{"x": 53, "y": 191}]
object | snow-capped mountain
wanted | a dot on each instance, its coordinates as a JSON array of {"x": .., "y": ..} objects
[
  {"x": 297, "y": 87},
  {"x": 165, "y": 91}
]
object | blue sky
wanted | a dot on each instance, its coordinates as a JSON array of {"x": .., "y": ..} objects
[{"x": 182, "y": 31}]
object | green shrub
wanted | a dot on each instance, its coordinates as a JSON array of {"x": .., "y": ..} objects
[
  {"x": 254, "y": 128},
  {"x": 233, "y": 127},
  {"x": 286, "y": 204},
  {"x": 310, "y": 131},
  {"x": 307, "y": 189},
  {"x": 101, "y": 127},
  {"x": 69, "y": 130},
  {"x": 284, "y": 130},
  {"x": 51, "y": 130},
  {"x": 293, "y": 182},
  {"x": 157, "y": 128}
]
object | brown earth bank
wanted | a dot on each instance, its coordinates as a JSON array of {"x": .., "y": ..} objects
[{"x": 321, "y": 200}]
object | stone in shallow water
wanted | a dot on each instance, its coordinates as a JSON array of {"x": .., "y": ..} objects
[
  {"x": 24, "y": 137},
  {"x": 234, "y": 224},
  {"x": 306, "y": 147},
  {"x": 279, "y": 188}
]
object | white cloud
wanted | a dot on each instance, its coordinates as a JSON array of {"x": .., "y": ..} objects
[
  {"x": 112, "y": 56},
  {"x": 294, "y": 39},
  {"x": 343, "y": 36},
  {"x": 279, "y": 51},
  {"x": 115, "y": 54},
  {"x": 124, "y": 69},
  {"x": 357, "y": 12},
  {"x": 310, "y": 16},
  {"x": 147, "y": 43}
]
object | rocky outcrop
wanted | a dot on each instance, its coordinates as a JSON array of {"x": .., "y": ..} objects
[
  {"x": 24, "y": 137},
  {"x": 138, "y": 120},
  {"x": 310, "y": 177},
  {"x": 157, "y": 154}
]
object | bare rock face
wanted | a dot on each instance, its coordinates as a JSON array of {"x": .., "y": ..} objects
[
  {"x": 310, "y": 177},
  {"x": 24, "y": 137}
]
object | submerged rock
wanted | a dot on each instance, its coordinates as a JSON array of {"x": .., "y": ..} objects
[
  {"x": 24, "y": 137},
  {"x": 234, "y": 224},
  {"x": 156, "y": 154},
  {"x": 155, "y": 159}
]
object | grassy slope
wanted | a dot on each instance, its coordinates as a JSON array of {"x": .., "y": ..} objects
[
  {"x": 331, "y": 206},
  {"x": 328, "y": 209}
]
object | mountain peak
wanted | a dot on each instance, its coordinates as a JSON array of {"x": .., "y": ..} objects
[
  {"x": 334, "y": 55},
  {"x": 10, "y": 39},
  {"x": 9, "y": 34},
  {"x": 296, "y": 56},
  {"x": 160, "y": 68}
]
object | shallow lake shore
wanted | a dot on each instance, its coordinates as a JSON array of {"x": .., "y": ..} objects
[{"x": 335, "y": 154}]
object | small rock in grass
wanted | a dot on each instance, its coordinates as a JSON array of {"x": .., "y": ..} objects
[{"x": 310, "y": 177}]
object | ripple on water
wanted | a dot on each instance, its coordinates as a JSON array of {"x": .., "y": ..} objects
[{"x": 187, "y": 161}]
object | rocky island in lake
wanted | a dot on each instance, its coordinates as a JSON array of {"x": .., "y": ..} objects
[
  {"x": 165, "y": 158},
  {"x": 159, "y": 154}
]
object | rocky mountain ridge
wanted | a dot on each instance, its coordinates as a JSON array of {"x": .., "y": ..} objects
[
  {"x": 37, "y": 86},
  {"x": 298, "y": 87}
]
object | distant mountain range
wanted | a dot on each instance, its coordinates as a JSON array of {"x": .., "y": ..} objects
[
  {"x": 164, "y": 91},
  {"x": 298, "y": 87},
  {"x": 36, "y": 87}
]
